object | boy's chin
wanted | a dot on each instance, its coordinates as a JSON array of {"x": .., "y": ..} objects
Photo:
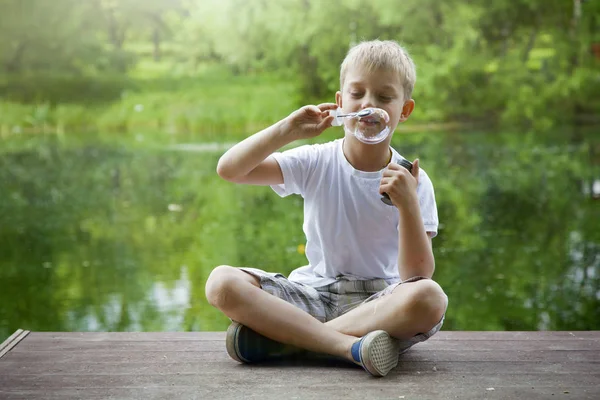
[{"x": 354, "y": 140}]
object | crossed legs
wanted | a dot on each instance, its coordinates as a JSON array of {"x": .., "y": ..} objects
[{"x": 410, "y": 309}]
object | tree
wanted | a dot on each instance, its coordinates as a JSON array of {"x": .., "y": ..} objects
[{"x": 43, "y": 35}]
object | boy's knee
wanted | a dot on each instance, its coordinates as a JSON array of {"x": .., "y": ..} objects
[
  {"x": 219, "y": 285},
  {"x": 428, "y": 301}
]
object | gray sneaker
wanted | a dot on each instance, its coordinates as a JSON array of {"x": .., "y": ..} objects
[{"x": 376, "y": 352}]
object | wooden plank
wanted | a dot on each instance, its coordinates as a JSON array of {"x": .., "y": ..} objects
[
  {"x": 220, "y": 336},
  {"x": 128, "y": 336},
  {"x": 352, "y": 392},
  {"x": 202, "y": 367},
  {"x": 185, "y": 345},
  {"x": 12, "y": 341},
  {"x": 218, "y": 353},
  {"x": 219, "y": 345},
  {"x": 531, "y": 365},
  {"x": 515, "y": 335},
  {"x": 294, "y": 377}
]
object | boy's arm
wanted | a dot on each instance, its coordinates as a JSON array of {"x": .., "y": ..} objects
[
  {"x": 415, "y": 253},
  {"x": 249, "y": 161}
]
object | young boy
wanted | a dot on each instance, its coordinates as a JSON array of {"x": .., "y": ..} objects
[{"x": 366, "y": 294}]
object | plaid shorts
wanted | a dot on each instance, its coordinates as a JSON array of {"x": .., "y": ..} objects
[{"x": 330, "y": 301}]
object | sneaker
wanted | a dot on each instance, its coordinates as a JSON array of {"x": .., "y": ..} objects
[
  {"x": 376, "y": 352},
  {"x": 246, "y": 346}
]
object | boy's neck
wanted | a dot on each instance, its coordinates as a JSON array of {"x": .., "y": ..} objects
[{"x": 367, "y": 158}]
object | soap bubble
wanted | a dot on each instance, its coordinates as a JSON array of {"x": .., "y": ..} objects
[{"x": 370, "y": 125}]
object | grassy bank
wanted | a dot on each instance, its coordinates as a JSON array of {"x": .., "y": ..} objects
[
  {"x": 214, "y": 105},
  {"x": 155, "y": 99}
]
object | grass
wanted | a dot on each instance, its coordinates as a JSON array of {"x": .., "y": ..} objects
[{"x": 215, "y": 105}]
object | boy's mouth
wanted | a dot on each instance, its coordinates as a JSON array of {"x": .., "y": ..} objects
[{"x": 369, "y": 121}]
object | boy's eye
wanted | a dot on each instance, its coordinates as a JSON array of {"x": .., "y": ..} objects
[
  {"x": 356, "y": 95},
  {"x": 386, "y": 99}
]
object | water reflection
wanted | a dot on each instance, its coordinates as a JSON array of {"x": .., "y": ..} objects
[
  {"x": 169, "y": 302},
  {"x": 118, "y": 237}
]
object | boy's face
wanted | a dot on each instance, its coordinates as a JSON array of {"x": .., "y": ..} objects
[{"x": 380, "y": 88}]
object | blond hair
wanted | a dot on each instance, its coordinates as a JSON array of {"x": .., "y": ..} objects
[{"x": 382, "y": 54}]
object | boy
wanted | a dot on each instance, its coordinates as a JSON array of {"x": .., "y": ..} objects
[{"x": 366, "y": 294}]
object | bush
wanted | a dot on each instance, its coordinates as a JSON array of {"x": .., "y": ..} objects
[{"x": 54, "y": 89}]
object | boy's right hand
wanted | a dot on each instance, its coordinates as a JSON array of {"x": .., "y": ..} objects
[{"x": 309, "y": 121}]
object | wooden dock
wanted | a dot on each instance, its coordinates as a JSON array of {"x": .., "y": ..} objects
[{"x": 195, "y": 365}]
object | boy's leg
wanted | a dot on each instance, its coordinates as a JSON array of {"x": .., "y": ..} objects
[
  {"x": 239, "y": 296},
  {"x": 404, "y": 311}
]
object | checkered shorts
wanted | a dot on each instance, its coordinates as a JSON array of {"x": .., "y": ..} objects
[{"x": 330, "y": 301}]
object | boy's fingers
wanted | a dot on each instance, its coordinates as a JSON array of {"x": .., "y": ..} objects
[
  {"x": 393, "y": 166},
  {"x": 389, "y": 171},
  {"x": 392, "y": 169},
  {"x": 415, "y": 168},
  {"x": 327, "y": 106},
  {"x": 384, "y": 187},
  {"x": 326, "y": 123},
  {"x": 313, "y": 110}
]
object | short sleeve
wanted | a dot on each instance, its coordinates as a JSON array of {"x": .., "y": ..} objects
[
  {"x": 427, "y": 203},
  {"x": 296, "y": 166}
]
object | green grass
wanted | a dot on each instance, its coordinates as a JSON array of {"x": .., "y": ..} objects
[{"x": 214, "y": 106}]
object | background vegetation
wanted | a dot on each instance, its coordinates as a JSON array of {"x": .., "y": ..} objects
[
  {"x": 191, "y": 65},
  {"x": 113, "y": 114}
]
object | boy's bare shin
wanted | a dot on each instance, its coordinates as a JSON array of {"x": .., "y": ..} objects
[{"x": 410, "y": 309}]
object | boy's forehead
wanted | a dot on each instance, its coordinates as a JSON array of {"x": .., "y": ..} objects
[
  {"x": 385, "y": 85},
  {"x": 383, "y": 78}
]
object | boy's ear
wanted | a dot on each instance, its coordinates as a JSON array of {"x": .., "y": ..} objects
[
  {"x": 407, "y": 109},
  {"x": 338, "y": 98}
]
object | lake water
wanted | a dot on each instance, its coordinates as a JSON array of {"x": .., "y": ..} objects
[{"x": 104, "y": 234}]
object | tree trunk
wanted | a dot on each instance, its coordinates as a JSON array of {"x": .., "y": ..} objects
[
  {"x": 506, "y": 34},
  {"x": 312, "y": 86},
  {"x": 574, "y": 36},
  {"x": 156, "y": 43},
  {"x": 116, "y": 35},
  {"x": 14, "y": 64},
  {"x": 530, "y": 43}
]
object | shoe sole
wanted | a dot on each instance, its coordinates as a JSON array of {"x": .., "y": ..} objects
[
  {"x": 379, "y": 353},
  {"x": 232, "y": 342}
]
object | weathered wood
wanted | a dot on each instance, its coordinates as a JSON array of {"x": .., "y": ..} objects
[
  {"x": 12, "y": 341},
  {"x": 292, "y": 376},
  {"x": 350, "y": 393},
  {"x": 219, "y": 354},
  {"x": 188, "y": 345},
  {"x": 219, "y": 336},
  {"x": 198, "y": 367},
  {"x": 465, "y": 365}
]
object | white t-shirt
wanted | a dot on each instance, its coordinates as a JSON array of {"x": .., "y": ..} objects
[{"x": 349, "y": 231}]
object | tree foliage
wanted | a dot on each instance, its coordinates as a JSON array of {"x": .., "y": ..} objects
[{"x": 525, "y": 62}]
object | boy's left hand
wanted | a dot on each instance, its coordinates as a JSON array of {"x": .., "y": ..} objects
[{"x": 399, "y": 183}]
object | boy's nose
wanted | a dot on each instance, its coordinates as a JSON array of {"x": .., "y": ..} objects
[{"x": 368, "y": 102}]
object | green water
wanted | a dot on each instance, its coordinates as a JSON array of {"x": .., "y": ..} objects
[{"x": 111, "y": 235}]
